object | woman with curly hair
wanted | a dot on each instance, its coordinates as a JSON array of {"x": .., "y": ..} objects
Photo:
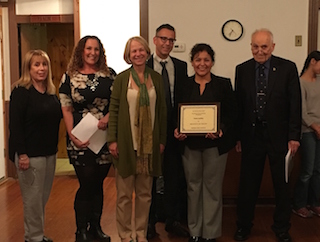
[{"x": 86, "y": 88}]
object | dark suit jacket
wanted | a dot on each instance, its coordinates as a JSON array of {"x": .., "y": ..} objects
[
  {"x": 180, "y": 75},
  {"x": 283, "y": 108},
  {"x": 223, "y": 93}
]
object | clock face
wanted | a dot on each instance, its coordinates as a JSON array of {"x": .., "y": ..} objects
[{"x": 232, "y": 30}]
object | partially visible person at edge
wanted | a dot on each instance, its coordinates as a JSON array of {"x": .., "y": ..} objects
[
  {"x": 204, "y": 157},
  {"x": 175, "y": 195},
  {"x": 306, "y": 200},
  {"x": 34, "y": 120},
  {"x": 86, "y": 88},
  {"x": 136, "y": 137},
  {"x": 269, "y": 124}
]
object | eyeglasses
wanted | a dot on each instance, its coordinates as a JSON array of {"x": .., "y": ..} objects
[{"x": 165, "y": 39}]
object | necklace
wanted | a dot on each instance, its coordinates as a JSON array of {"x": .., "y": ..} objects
[{"x": 93, "y": 83}]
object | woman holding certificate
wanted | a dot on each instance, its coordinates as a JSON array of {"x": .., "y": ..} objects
[
  {"x": 136, "y": 137},
  {"x": 204, "y": 155},
  {"x": 86, "y": 88}
]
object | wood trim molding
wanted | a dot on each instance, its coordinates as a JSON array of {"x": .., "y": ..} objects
[
  {"x": 144, "y": 19},
  {"x": 13, "y": 37},
  {"x": 62, "y": 18},
  {"x": 76, "y": 21},
  {"x": 4, "y": 4},
  {"x": 314, "y": 6},
  {"x": 14, "y": 74}
]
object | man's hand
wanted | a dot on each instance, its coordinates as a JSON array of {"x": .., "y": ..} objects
[
  {"x": 238, "y": 146},
  {"x": 293, "y": 145}
]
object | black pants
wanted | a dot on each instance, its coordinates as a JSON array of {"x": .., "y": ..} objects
[
  {"x": 252, "y": 166},
  {"x": 175, "y": 192},
  {"x": 89, "y": 197}
]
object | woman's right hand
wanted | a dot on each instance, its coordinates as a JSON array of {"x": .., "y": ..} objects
[
  {"x": 24, "y": 162},
  {"x": 113, "y": 148},
  {"x": 317, "y": 131},
  {"x": 78, "y": 143},
  {"x": 178, "y": 135}
]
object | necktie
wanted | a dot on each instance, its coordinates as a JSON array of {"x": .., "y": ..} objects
[
  {"x": 261, "y": 93},
  {"x": 166, "y": 83}
]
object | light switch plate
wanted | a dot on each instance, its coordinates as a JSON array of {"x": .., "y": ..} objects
[
  {"x": 179, "y": 47},
  {"x": 298, "y": 40}
]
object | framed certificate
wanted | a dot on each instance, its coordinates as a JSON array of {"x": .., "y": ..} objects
[{"x": 199, "y": 118}]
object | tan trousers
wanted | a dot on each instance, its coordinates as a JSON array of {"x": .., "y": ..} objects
[{"x": 141, "y": 185}]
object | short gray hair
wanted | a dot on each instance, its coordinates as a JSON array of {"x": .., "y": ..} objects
[{"x": 263, "y": 30}]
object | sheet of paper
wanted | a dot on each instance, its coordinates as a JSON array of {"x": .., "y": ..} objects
[
  {"x": 85, "y": 128},
  {"x": 288, "y": 165},
  {"x": 97, "y": 140}
]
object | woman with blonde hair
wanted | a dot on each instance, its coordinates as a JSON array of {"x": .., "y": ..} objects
[
  {"x": 34, "y": 120},
  {"x": 136, "y": 137}
]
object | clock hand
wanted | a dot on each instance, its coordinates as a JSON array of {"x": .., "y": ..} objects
[{"x": 231, "y": 32}]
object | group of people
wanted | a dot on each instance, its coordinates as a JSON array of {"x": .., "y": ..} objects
[{"x": 139, "y": 109}]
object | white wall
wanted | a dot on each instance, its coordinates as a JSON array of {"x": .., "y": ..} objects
[
  {"x": 41, "y": 7},
  {"x": 201, "y": 21},
  {"x": 113, "y": 22}
]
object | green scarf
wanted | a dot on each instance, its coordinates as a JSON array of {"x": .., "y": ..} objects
[{"x": 143, "y": 125}]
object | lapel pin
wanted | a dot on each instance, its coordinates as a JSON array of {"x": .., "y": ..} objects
[{"x": 274, "y": 69}]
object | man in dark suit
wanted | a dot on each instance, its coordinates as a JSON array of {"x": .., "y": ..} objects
[
  {"x": 269, "y": 99},
  {"x": 174, "y": 72}
]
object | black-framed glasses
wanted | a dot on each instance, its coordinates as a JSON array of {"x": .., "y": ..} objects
[{"x": 165, "y": 39}]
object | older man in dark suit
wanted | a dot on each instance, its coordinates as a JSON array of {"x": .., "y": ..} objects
[
  {"x": 269, "y": 99},
  {"x": 174, "y": 72}
]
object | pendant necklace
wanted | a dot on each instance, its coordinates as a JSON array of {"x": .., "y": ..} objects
[{"x": 93, "y": 83}]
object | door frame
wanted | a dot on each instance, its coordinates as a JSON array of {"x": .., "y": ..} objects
[
  {"x": 14, "y": 20},
  {"x": 314, "y": 6}
]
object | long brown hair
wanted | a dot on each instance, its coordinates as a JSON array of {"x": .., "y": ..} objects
[
  {"x": 26, "y": 80},
  {"x": 76, "y": 61}
]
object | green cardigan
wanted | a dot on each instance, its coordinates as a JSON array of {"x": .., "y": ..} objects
[{"x": 119, "y": 129}]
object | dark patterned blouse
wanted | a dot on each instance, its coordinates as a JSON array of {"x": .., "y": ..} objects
[{"x": 86, "y": 93}]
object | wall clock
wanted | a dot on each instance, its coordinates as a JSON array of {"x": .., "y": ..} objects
[{"x": 232, "y": 30}]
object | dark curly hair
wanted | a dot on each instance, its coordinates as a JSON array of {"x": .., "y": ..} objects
[{"x": 76, "y": 61}]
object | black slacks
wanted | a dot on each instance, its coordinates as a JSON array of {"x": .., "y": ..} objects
[
  {"x": 252, "y": 166},
  {"x": 175, "y": 191}
]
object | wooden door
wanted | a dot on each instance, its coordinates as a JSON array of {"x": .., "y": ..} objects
[
  {"x": 60, "y": 41},
  {"x": 57, "y": 40}
]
